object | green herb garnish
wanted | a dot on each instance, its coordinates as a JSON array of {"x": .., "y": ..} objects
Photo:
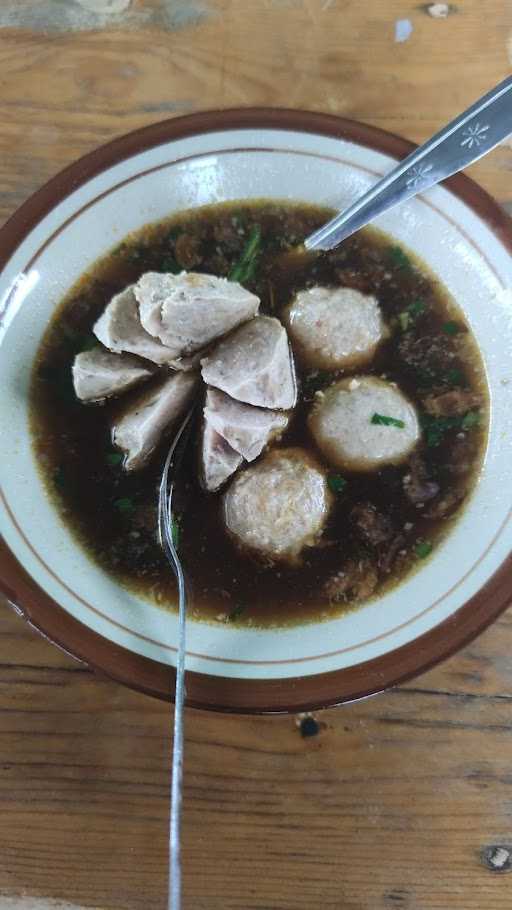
[
  {"x": 243, "y": 270},
  {"x": 417, "y": 307},
  {"x": 87, "y": 343},
  {"x": 114, "y": 458},
  {"x": 169, "y": 264},
  {"x": 435, "y": 428},
  {"x": 124, "y": 505},
  {"x": 336, "y": 483},
  {"x": 385, "y": 421},
  {"x": 423, "y": 549},
  {"x": 470, "y": 419},
  {"x": 58, "y": 477},
  {"x": 455, "y": 376},
  {"x": 399, "y": 259},
  {"x": 175, "y": 532},
  {"x": 236, "y": 613},
  {"x": 314, "y": 382},
  {"x": 452, "y": 328},
  {"x": 411, "y": 313},
  {"x": 173, "y": 234},
  {"x": 404, "y": 319}
]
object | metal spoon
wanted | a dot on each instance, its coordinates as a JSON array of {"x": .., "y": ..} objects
[
  {"x": 466, "y": 139},
  {"x": 169, "y": 546}
]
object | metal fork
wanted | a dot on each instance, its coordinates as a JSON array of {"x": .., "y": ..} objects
[
  {"x": 466, "y": 139},
  {"x": 169, "y": 546}
]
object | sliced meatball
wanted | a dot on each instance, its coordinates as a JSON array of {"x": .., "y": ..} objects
[
  {"x": 120, "y": 330},
  {"x": 364, "y": 423},
  {"x": 152, "y": 417},
  {"x": 335, "y": 328},
  {"x": 246, "y": 428},
  {"x": 98, "y": 374},
  {"x": 186, "y": 312},
  {"x": 218, "y": 460},
  {"x": 279, "y": 506},
  {"x": 254, "y": 365}
]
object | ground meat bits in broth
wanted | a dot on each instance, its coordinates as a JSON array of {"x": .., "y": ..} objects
[{"x": 382, "y": 524}]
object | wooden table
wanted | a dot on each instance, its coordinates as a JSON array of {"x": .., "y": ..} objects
[{"x": 403, "y": 801}]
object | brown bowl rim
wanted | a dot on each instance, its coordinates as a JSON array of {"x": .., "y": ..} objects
[{"x": 227, "y": 694}]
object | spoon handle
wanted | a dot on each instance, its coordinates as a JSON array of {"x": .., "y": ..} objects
[
  {"x": 466, "y": 139},
  {"x": 169, "y": 546}
]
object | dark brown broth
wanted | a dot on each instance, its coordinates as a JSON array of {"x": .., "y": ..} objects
[{"x": 113, "y": 514}]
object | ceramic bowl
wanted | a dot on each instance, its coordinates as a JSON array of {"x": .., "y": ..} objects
[{"x": 462, "y": 235}]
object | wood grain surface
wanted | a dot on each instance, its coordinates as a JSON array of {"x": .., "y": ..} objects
[{"x": 402, "y": 801}]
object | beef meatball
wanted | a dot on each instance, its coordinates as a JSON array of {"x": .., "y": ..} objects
[
  {"x": 364, "y": 423},
  {"x": 335, "y": 328},
  {"x": 279, "y": 506}
]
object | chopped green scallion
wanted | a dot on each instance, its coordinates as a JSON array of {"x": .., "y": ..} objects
[
  {"x": 124, "y": 505},
  {"x": 455, "y": 376},
  {"x": 385, "y": 421},
  {"x": 470, "y": 419},
  {"x": 398, "y": 258},
  {"x": 336, "y": 483},
  {"x": 243, "y": 270},
  {"x": 114, "y": 458},
  {"x": 169, "y": 264},
  {"x": 423, "y": 549},
  {"x": 236, "y": 613},
  {"x": 411, "y": 313},
  {"x": 58, "y": 477},
  {"x": 315, "y": 382},
  {"x": 435, "y": 428},
  {"x": 451, "y": 328},
  {"x": 176, "y": 532}
]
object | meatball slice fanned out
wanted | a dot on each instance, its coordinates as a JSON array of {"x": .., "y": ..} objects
[
  {"x": 218, "y": 460},
  {"x": 279, "y": 506},
  {"x": 119, "y": 329},
  {"x": 247, "y": 429},
  {"x": 153, "y": 417},
  {"x": 364, "y": 423},
  {"x": 335, "y": 328},
  {"x": 254, "y": 365},
  {"x": 188, "y": 311},
  {"x": 99, "y": 374}
]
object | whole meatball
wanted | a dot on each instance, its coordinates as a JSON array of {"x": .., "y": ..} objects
[
  {"x": 364, "y": 423},
  {"x": 279, "y": 506},
  {"x": 335, "y": 328}
]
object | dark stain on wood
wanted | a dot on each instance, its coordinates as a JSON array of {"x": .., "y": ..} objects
[
  {"x": 397, "y": 897},
  {"x": 309, "y": 726},
  {"x": 497, "y": 858}
]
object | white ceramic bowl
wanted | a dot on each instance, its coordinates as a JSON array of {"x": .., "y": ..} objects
[{"x": 187, "y": 162}]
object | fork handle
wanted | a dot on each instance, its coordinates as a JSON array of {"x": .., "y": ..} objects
[{"x": 466, "y": 139}]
